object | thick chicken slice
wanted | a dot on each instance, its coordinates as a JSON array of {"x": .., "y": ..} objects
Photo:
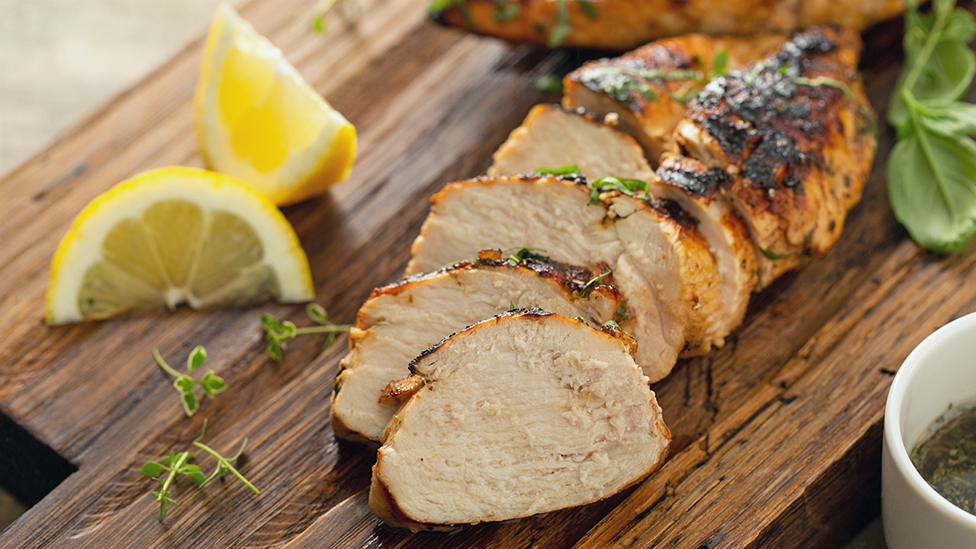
[
  {"x": 796, "y": 136},
  {"x": 648, "y": 89},
  {"x": 551, "y": 137},
  {"x": 661, "y": 263},
  {"x": 401, "y": 320},
  {"x": 625, "y": 24},
  {"x": 692, "y": 185},
  {"x": 524, "y": 413}
]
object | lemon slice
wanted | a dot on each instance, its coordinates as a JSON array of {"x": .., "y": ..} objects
[
  {"x": 170, "y": 236},
  {"x": 258, "y": 120}
]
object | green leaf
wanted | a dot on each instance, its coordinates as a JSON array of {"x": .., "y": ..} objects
[
  {"x": 330, "y": 340},
  {"x": 274, "y": 350},
  {"x": 592, "y": 281},
  {"x": 196, "y": 358},
  {"x": 636, "y": 188},
  {"x": 588, "y": 8},
  {"x": 612, "y": 324},
  {"x": 562, "y": 170},
  {"x": 561, "y": 29},
  {"x": 197, "y": 477},
  {"x": 317, "y": 313},
  {"x": 167, "y": 461},
  {"x": 212, "y": 384},
  {"x": 954, "y": 119},
  {"x": 932, "y": 188},
  {"x": 288, "y": 328},
  {"x": 720, "y": 62},
  {"x": 271, "y": 324},
  {"x": 184, "y": 384},
  {"x": 151, "y": 469},
  {"x": 548, "y": 83},
  {"x": 190, "y": 403},
  {"x": 506, "y": 10}
]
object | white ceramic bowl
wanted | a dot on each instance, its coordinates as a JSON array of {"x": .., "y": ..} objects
[{"x": 941, "y": 370}]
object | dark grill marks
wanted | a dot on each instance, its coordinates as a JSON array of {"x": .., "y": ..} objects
[{"x": 696, "y": 180}]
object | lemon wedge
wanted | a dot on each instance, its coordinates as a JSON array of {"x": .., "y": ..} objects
[
  {"x": 170, "y": 236},
  {"x": 258, "y": 120}
]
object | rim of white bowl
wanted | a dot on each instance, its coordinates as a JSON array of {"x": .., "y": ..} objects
[{"x": 893, "y": 409}]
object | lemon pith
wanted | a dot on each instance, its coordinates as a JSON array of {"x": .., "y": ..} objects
[
  {"x": 257, "y": 119},
  {"x": 175, "y": 235}
]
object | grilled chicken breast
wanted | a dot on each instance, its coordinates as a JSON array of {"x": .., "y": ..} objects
[
  {"x": 524, "y": 413},
  {"x": 648, "y": 89},
  {"x": 661, "y": 263},
  {"x": 401, "y": 320},
  {"x": 624, "y": 24},
  {"x": 551, "y": 137},
  {"x": 796, "y": 136}
]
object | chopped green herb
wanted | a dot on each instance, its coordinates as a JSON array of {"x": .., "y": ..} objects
[
  {"x": 592, "y": 281},
  {"x": 588, "y": 8},
  {"x": 562, "y": 170},
  {"x": 506, "y": 10},
  {"x": 636, "y": 188},
  {"x": 720, "y": 62},
  {"x": 769, "y": 254},
  {"x": 561, "y": 29},
  {"x": 548, "y": 83}
]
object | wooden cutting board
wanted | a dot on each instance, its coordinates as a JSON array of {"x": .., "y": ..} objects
[{"x": 777, "y": 436}]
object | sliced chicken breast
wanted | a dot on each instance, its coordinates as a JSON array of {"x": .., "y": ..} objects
[
  {"x": 648, "y": 89},
  {"x": 796, "y": 135},
  {"x": 524, "y": 413},
  {"x": 624, "y": 24},
  {"x": 552, "y": 137},
  {"x": 401, "y": 320},
  {"x": 661, "y": 263},
  {"x": 694, "y": 186}
]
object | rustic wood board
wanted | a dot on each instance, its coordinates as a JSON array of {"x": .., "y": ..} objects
[{"x": 777, "y": 435}]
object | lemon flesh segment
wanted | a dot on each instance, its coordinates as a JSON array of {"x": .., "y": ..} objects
[
  {"x": 258, "y": 120},
  {"x": 172, "y": 236}
]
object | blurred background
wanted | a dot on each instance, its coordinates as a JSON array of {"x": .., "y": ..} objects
[{"x": 59, "y": 59}]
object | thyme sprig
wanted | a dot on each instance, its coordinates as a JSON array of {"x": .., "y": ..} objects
[
  {"x": 278, "y": 333},
  {"x": 211, "y": 383},
  {"x": 176, "y": 464}
]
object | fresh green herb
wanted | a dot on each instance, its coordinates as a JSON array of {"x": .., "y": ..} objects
[
  {"x": 622, "y": 312},
  {"x": 174, "y": 465},
  {"x": 438, "y": 6},
  {"x": 569, "y": 169},
  {"x": 561, "y": 29},
  {"x": 506, "y": 10},
  {"x": 636, "y": 188},
  {"x": 771, "y": 255},
  {"x": 588, "y": 8},
  {"x": 277, "y": 333},
  {"x": 548, "y": 83},
  {"x": 323, "y": 8},
  {"x": 720, "y": 62},
  {"x": 184, "y": 384},
  {"x": 611, "y": 324},
  {"x": 592, "y": 281},
  {"x": 86, "y": 305},
  {"x": 824, "y": 81},
  {"x": 520, "y": 255},
  {"x": 932, "y": 167}
]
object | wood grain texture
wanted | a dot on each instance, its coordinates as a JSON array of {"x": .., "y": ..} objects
[{"x": 777, "y": 435}]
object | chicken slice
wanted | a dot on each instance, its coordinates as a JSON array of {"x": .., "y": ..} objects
[
  {"x": 551, "y": 137},
  {"x": 661, "y": 263},
  {"x": 399, "y": 321},
  {"x": 694, "y": 186},
  {"x": 524, "y": 413},
  {"x": 649, "y": 88},
  {"x": 624, "y": 24},
  {"x": 796, "y": 135}
]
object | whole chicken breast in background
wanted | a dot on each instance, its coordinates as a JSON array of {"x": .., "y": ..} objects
[{"x": 624, "y": 24}]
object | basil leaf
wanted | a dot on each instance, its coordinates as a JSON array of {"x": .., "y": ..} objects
[
  {"x": 957, "y": 118},
  {"x": 932, "y": 188}
]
